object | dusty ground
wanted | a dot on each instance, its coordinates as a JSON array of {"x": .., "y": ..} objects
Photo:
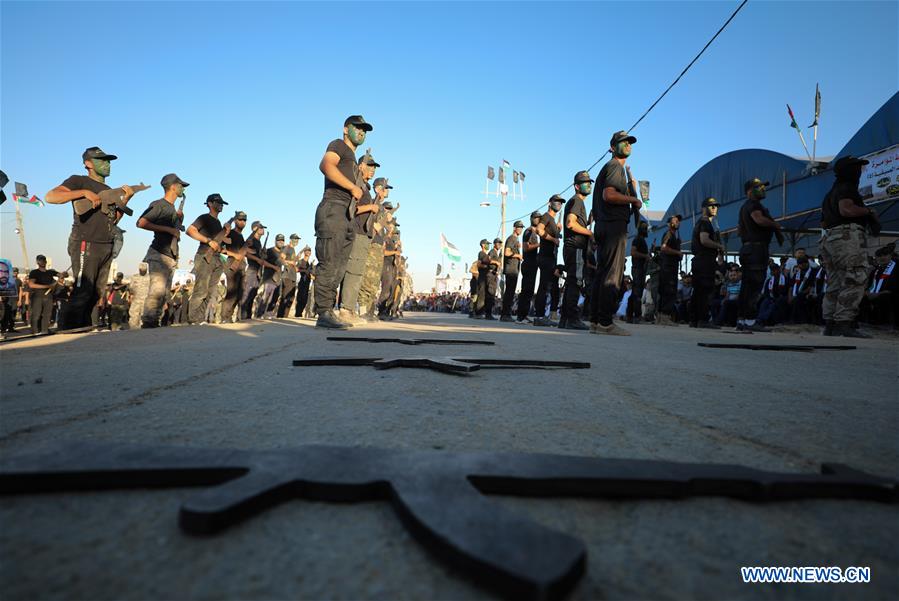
[{"x": 654, "y": 395}]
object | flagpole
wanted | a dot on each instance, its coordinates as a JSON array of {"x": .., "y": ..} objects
[
  {"x": 799, "y": 131},
  {"x": 20, "y": 225}
]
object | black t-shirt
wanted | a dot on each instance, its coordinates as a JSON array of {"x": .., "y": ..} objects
[
  {"x": 830, "y": 208},
  {"x": 208, "y": 226},
  {"x": 273, "y": 256},
  {"x": 749, "y": 230},
  {"x": 361, "y": 223},
  {"x": 672, "y": 241},
  {"x": 303, "y": 268},
  {"x": 639, "y": 244},
  {"x": 93, "y": 226},
  {"x": 289, "y": 263},
  {"x": 389, "y": 244},
  {"x": 495, "y": 255},
  {"x": 44, "y": 278},
  {"x": 575, "y": 206},
  {"x": 548, "y": 248},
  {"x": 512, "y": 263},
  {"x": 162, "y": 212},
  {"x": 237, "y": 241},
  {"x": 346, "y": 166},
  {"x": 255, "y": 246},
  {"x": 529, "y": 236},
  {"x": 483, "y": 262},
  {"x": 611, "y": 176},
  {"x": 704, "y": 225}
]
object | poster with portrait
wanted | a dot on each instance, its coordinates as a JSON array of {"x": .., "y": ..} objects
[{"x": 8, "y": 281}]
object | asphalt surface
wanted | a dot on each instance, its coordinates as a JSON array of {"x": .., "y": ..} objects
[{"x": 653, "y": 395}]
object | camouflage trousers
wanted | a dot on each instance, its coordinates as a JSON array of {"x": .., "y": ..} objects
[
  {"x": 371, "y": 277},
  {"x": 845, "y": 259}
]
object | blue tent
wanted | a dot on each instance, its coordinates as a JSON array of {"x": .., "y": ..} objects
[{"x": 795, "y": 193}]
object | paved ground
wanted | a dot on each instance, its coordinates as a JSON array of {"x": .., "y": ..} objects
[{"x": 653, "y": 395}]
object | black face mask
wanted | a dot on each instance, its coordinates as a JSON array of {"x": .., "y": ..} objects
[{"x": 852, "y": 176}]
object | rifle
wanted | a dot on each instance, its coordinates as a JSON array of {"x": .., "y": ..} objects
[
  {"x": 219, "y": 238},
  {"x": 632, "y": 189},
  {"x": 111, "y": 200},
  {"x": 234, "y": 263},
  {"x": 180, "y": 224}
]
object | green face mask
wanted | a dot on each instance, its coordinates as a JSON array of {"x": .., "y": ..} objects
[
  {"x": 356, "y": 135},
  {"x": 102, "y": 167},
  {"x": 622, "y": 150},
  {"x": 758, "y": 193},
  {"x": 585, "y": 188}
]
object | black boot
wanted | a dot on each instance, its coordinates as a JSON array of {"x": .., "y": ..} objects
[
  {"x": 844, "y": 328},
  {"x": 828, "y": 328}
]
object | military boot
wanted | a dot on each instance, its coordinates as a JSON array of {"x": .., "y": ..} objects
[
  {"x": 828, "y": 328},
  {"x": 844, "y": 328}
]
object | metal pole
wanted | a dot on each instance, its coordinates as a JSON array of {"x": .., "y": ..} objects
[{"x": 21, "y": 227}]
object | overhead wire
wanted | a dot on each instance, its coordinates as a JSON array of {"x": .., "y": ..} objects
[{"x": 652, "y": 106}]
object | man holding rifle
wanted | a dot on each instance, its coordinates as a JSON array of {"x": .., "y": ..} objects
[
  {"x": 90, "y": 243},
  {"x": 613, "y": 203},
  {"x": 208, "y": 231},
  {"x": 756, "y": 227},
  {"x": 234, "y": 274},
  {"x": 164, "y": 221}
]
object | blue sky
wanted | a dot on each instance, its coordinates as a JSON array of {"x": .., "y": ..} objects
[{"x": 242, "y": 98}]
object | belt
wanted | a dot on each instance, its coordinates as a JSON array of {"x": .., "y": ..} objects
[{"x": 845, "y": 225}]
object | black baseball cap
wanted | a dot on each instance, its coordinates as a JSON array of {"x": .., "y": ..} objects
[
  {"x": 41, "y": 258},
  {"x": 358, "y": 121},
  {"x": 94, "y": 152},
  {"x": 556, "y": 198},
  {"x": 536, "y": 214},
  {"x": 843, "y": 163},
  {"x": 279, "y": 237},
  {"x": 621, "y": 136},
  {"x": 382, "y": 181},
  {"x": 171, "y": 178},
  {"x": 518, "y": 224},
  {"x": 256, "y": 225},
  {"x": 388, "y": 206},
  {"x": 752, "y": 183},
  {"x": 369, "y": 160},
  {"x": 306, "y": 249},
  {"x": 710, "y": 202},
  {"x": 495, "y": 240},
  {"x": 294, "y": 236},
  {"x": 484, "y": 241},
  {"x": 240, "y": 215},
  {"x": 582, "y": 176},
  {"x": 678, "y": 215},
  {"x": 215, "y": 197}
]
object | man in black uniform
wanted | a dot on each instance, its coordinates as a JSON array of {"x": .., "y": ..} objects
[
  {"x": 234, "y": 274},
  {"x": 639, "y": 257},
  {"x": 530, "y": 242},
  {"x": 756, "y": 226},
  {"x": 41, "y": 282},
  {"x": 612, "y": 206},
  {"x": 671, "y": 256},
  {"x": 549, "y": 234},
  {"x": 363, "y": 230},
  {"x": 207, "y": 265},
  {"x": 496, "y": 262},
  {"x": 512, "y": 253},
  {"x": 164, "y": 221},
  {"x": 574, "y": 250},
  {"x": 251, "y": 276},
  {"x": 388, "y": 273},
  {"x": 483, "y": 269},
  {"x": 271, "y": 278},
  {"x": 91, "y": 240},
  {"x": 706, "y": 246},
  {"x": 333, "y": 218},
  {"x": 304, "y": 269},
  {"x": 289, "y": 276}
]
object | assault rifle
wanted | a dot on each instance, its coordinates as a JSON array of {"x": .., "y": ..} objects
[
  {"x": 111, "y": 200},
  {"x": 220, "y": 237},
  {"x": 632, "y": 190},
  {"x": 180, "y": 224}
]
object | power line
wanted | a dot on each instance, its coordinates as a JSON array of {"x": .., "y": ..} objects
[{"x": 653, "y": 105}]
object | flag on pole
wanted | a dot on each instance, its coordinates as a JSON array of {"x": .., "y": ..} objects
[
  {"x": 506, "y": 164},
  {"x": 793, "y": 123},
  {"x": 515, "y": 177},
  {"x": 817, "y": 106},
  {"x": 521, "y": 175},
  {"x": 490, "y": 173},
  {"x": 34, "y": 200},
  {"x": 502, "y": 176},
  {"x": 452, "y": 253}
]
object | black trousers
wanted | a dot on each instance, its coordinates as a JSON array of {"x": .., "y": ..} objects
[
  {"x": 548, "y": 283},
  {"x": 509, "y": 294},
  {"x": 302, "y": 296},
  {"x": 635, "y": 300},
  {"x": 572, "y": 285},
  {"x": 754, "y": 261},
  {"x": 234, "y": 281},
  {"x": 528, "y": 279},
  {"x": 667, "y": 289},
  {"x": 333, "y": 241},
  {"x": 207, "y": 272},
  {"x": 702, "y": 295},
  {"x": 288, "y": 292},
  {"x": 611, "y": 243},
  {"x": 388, "y": 283},
  {"x": 486, "y": 293},
  {"x": 93, "y": 272},
  {"x": 41, "y": 308}
]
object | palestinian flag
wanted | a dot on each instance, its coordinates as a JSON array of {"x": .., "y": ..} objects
[
  {"x": 793, "y": 123},
  {"x": 506, "y": 164},
  {"x": 34, "y": 200},
  {"x": 452, "y": 253}
]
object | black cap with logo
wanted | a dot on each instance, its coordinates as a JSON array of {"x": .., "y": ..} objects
[
  {"x": 215, "y": 197},
  {"x": 536, "y": 215},
  {"x": 485, "y": 241},
  {"x": 497, "y": 241},
  {"x": 358, "y": 121},
  {"x": 382, "y": 181},
  {"x": 294, "y": 237},
  {"x": 752, "y": 183},
  {"x": 171, "y": 178},
  {"x": 94, "y": 152},
  {"x": 279, "y": 238},
  {"x": 240, "y": 216},
  {"x": 582, "y": 176},
  {"x": 710, "y": 202},
  {"x": 621, "y": 136},
  {"x": 518, "y": 224},
  {"x": 368, "y": 160}
]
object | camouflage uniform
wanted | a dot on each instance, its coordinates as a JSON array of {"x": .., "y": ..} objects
[
  {"x": 845, "y": 259},
  {"x": 140, "y": 285},
  {"x": 371, "y": 278}
]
